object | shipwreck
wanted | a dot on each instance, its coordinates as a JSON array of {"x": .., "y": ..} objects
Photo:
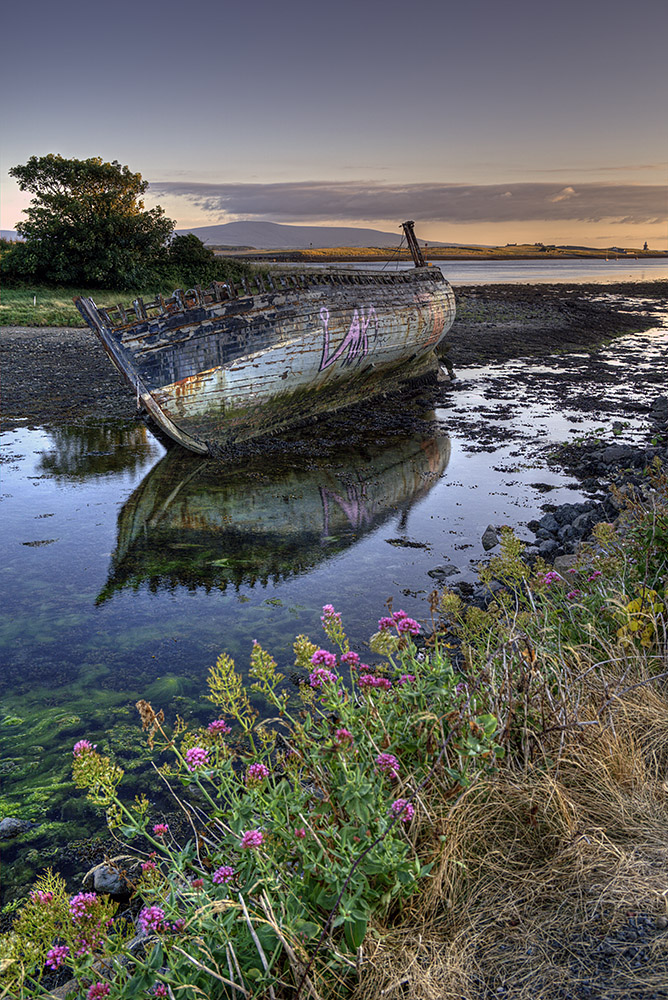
[{"x": 219, "y": 366}]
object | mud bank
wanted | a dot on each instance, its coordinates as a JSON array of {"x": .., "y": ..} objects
[{"x": 62, "y": 374}]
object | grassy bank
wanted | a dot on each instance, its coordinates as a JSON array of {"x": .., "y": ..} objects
[
  {"x": 46, "y": 306},
  {"x": 480, "y": 811}
]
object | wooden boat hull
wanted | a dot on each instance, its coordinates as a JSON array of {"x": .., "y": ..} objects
[{"x": 214, "y": 369}]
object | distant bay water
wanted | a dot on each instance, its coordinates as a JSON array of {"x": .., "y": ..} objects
[{"x": 483, "y": 272}]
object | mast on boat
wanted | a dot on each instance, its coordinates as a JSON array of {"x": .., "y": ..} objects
[{"x": 413, "y": 244}]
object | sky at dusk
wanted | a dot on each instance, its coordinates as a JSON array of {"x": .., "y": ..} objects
[{"x": 486, "y": 122}]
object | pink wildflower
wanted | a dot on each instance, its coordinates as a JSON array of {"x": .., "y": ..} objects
[
  {"x": 550, "y": 578},
  {"x": 403, "y": 808},
  {"x": 43, "y": 898},
  {"x": 219, "y": 727},
  {"x": 81, "y": 905},
  {"x": 350, "y": 658},
  {"x": 406, "y": 679},
  {"x": 594, "y": 575},
  {"x": 178, "y": 925},
  {"x": 572, "y": 594},
  {"x": 56, "y": 956},
  {"x": 399, "y": 615},
  {"x": 98, "y": 990},
  {"x": 256, "y": 773},
  {"x": 223, "y": 875},
  {"x": 160, "y": 829},
  {"x": 408, "y": 625},
  {"x": 329, "y": 614},
  {"x": 151, "y": 918},
  {"x": 83, "y": 746},
  {"x": 148, "y": 866},
  {"x": 321, "y": 676},
  {"x": 385, "y": 623},
  {"x": 323, "y": 657},
  {"x": 197, "y": 883},
  {"x": 196, "y": 757},
  {"x": 160, "y": 990},
  {"x": 343, "y": 735},
  {"x": 251, "y": 838},
  {"x": 388, "y": 764},
  {"x": 371, "y": 681},
  {"x": 300, "y": 833}
]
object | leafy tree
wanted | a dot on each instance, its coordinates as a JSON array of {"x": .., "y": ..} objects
[
  {"x": 86, "y": 225},
  {"x": 190, "y": 262}
]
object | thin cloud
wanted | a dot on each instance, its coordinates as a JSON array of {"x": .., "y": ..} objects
[{"x": 354, "y": 200}]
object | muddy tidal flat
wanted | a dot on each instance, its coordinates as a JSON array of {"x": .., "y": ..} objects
[{"x": 52, "y": 374}]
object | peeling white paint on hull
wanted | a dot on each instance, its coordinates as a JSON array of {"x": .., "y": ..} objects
[{"x": 217, "y": 367}]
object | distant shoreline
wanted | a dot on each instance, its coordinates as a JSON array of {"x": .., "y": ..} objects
[{"x": 372, "y": 254}]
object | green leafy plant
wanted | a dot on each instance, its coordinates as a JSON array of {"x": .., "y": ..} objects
[{"x": 304, "y": 828}]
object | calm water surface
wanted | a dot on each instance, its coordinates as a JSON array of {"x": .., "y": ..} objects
[
  {"x": 126, "y": 570},
  {"x": 472, "y": 272}
]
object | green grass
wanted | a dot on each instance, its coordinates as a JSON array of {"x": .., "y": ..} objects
[{"x": 45, "y": 306}]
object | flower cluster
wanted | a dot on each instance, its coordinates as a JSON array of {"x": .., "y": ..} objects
[
  {"x": 331, "y": 622},
  {"x": 81, "y": 906},
  {"x": 151, "y": 919},
  {"x": 82, "y": 747},
  {"x": 197, "y": 757},
  {"x": 401, "y": 621},
  {"x": 256, "y": 773},
  {"x": 343, "y": 735},
  {"x": 406, "y": 679},
  {"x": 43, "y": 898},
  {"x": 322, "y": 657},
  {"x": 320, "y": 676},
  {"x": 549, "y": 578},
  {"x": 223, "y": 875},
  {"x": 403, "y": 808},
  {"x": 85, "y": 910},
  {"x": 251, "y": 838},
  {"x": 388, "y": 764},
  {"x": 160, "y": 829},
  {"x": 373, "y": 681},
  {"x": 98, "y": 990},
  {"x": 219, "y": 727},
  {"x": 56, "y": 956}
]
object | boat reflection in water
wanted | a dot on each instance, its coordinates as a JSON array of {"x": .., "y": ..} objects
[{"x": 193, "y": 523}]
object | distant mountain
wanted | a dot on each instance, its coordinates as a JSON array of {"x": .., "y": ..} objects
[{"x": 272, "y": 236}]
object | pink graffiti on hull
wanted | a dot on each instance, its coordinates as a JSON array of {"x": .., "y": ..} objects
[{"x": 355, "y": 342}]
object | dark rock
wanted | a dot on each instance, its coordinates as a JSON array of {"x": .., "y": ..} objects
[
  {"x": 11, "y": 827},
  {"x": 549, "y": 523},
  {"x": 109, "y": 881},
  {"x": 547, "y": 548},
  {"x": 490, "y": 538},
  {"x": 442, "y": 572}
]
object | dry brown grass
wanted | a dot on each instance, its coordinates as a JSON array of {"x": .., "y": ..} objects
[{"x": 537, "y": 869}]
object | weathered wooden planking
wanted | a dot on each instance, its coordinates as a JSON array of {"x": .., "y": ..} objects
[{"x": 220, "y": 369}]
